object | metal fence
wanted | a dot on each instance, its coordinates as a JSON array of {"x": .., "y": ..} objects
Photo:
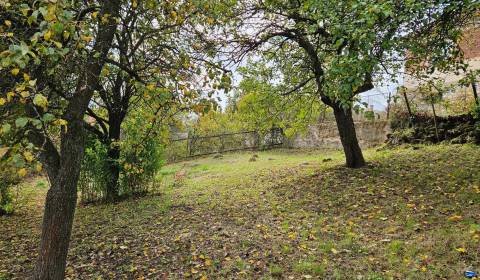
[{"x": 199, "y": 145}]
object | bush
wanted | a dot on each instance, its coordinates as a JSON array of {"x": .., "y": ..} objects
[
  {"x": 18, "y": 163},
  {"x": 93, "y": 180},
  {"x": 140, "y": 166},
  {"x": 6, "y": 199},
  {"x": 140, "y": 159},
  {"x": 8, "y": 179}
]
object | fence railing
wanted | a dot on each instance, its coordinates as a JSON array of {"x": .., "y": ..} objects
[{"x": 199, "y": 145}]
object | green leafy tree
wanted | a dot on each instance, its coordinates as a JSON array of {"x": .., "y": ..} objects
[
  {"x": 154, "y": 67},
  {"x": 341, "y": 47},
  {"x": 64, "y": 60},
  {"x": 261, "y": 105},
  {"x": 43, "y": 38}
]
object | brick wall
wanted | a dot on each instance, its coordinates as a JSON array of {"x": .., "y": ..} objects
[{"x": 470, "y": 43}]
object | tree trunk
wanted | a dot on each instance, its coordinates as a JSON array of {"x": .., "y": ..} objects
[
  {"x": 60, "y": 206},
  {"x": 348, "y": 136},
  {"x": 113, "y": 155},
  {"x": 62, "y": 195}
]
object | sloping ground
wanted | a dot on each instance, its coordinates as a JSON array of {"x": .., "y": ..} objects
[{"x": 411, "y": 214}]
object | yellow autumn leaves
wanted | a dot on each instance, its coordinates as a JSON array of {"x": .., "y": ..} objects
[
  {"x": 29, "y": 158},
  {"x": 22, "y": 172},
  {"x": 201, "y": 262},
  {"x": 455, "y": 218},
  {"x": 23, "y": 90},
  {"x": 48, "y": 35}
]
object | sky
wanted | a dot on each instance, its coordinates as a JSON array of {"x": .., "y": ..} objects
[{"x": 376, "y": 97}]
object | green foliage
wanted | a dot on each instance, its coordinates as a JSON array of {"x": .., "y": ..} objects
[
  {"x": 94, "y": 175},
  {"x": 141, "y": 158},
  {"x": 476, "y": 112},
  {"x": 262, "y": 105},
  {"x": 15, "y": 163},
  {"x": 6, "y": 199},
  {"x": 308, "y": 267},
  {"x": 275, "y": 270},
  {"x": 339, "y": 47},
  {"x": 217, "y": 122}
]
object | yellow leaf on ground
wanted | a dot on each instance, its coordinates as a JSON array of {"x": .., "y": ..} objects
[
  {"x": 38, "y": 167},
  {"x": 28, "y": 156},
  {"x": 22, "y": 172},
  {"x": 455, "y": 218},
  {"x": 15, "y": 71},
  {"x": 461, "y": 250}
]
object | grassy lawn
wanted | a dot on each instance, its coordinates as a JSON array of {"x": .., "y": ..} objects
[{"x": 413, "y": 213}]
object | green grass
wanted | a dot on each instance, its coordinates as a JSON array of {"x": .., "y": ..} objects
[{"x": 287, "y": 215}]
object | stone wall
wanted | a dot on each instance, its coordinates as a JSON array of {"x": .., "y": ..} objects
[{"x": 325, "y": 135}]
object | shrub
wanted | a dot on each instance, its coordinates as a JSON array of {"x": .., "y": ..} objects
[
  {"x": 6, "y": 199},
  {"x": 8, "y": 179},
  {"x": 94, "y": 172},
  {"x": 140, "y": 159},
  {"x": 15, "y": 163},
  {"x": 140, "y": 165}
]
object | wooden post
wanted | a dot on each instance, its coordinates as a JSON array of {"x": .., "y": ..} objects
[
  {"x": 389, "y": 99},
  {"x": 408, "y": 103},
  {"x": 475, "y": 93},
  {"x": 435, "y": 121},
  {"x": 189, "y": 148}
]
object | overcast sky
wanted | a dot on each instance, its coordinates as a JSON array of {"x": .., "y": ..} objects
[{"x": 377, "y": 97}]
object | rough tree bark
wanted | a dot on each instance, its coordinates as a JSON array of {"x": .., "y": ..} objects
[
  {"x": 113, "y": 155},
  {"x": 63, "y": 167},
  {"x": 348, "y": 137},
  {"x": 60, "y": 206}
]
